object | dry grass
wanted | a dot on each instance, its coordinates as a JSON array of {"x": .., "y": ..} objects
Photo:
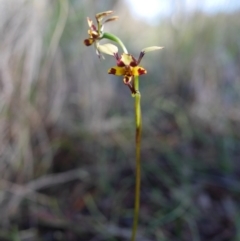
[{"x": 60, "y": 111}]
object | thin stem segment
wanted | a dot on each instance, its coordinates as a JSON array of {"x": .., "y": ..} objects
[
  {"x": 114, "y": 38},
  {"x": 138, "y": 120}
]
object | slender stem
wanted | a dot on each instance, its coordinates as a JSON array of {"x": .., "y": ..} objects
[
  {"x": 138, "y": 120},
  {"x": 114, "y": 38}
]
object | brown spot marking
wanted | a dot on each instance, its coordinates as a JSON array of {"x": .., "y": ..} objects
[
  {"x": 128, "y": 71},
  {"x": 120, "y": 63},
  {"x": 127, "y": 79},
  {"x": 142, "y": 71},
  {"x": 112, "y": 71},
  {"x": 94, "y": 34},
  {"x": 132, "y": 89},
  {"x": 134, "y": 62},
  {"x": 94, "y": 27},
  {"x": 88, "y": 42}
]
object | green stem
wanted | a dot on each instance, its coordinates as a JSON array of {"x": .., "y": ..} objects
[
  {"x": 138, "y": 120},
  {"x": 114, "y": 38}
]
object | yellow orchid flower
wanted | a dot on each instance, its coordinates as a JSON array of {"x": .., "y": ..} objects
[
  {"x": 95, "y": 32},
  {"x": 128, "y": 66}
]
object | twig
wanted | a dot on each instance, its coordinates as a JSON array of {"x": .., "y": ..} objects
[{"x": 21, "y": 192}]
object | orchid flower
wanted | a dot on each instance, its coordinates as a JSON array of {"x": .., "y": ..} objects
[
  {"x": 128, "y": 66},
  {"x": 96, "y": 32}
]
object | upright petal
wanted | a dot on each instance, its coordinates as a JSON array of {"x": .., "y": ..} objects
[
  {"x": 126, "y": 59},
  {"x": 152, "y": 48},
  {"x": 100, "y": 16},
  {"x": 90, "y": 23},
  {"x": 111, "y": 19}
]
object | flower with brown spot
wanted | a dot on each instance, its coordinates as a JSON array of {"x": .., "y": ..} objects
[
  {"x": 128, "y": 67},
  {"x": 95, "y": 32}
]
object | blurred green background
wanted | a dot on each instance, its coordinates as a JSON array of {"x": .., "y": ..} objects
[{"x": 67, "y": 127}]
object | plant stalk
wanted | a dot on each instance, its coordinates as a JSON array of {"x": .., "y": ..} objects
[
  {"x": 138, "y": 120},
  {"x": 114, "y": 38}
]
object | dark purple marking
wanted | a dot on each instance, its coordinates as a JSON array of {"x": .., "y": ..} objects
[{"x": 140, "y": 57}]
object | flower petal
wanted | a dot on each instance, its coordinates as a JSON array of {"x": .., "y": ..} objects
[
  {"x": 90, "y": 24},
  {"x": 152, "y": 48},
  {"x": 126, "y": 59},
  {"x": 108, "y": 49},
  {"x": 100, "y": 16},
  {"x": 138, "y": 70},
  {"x": 88, "y": 41},
  {"x": 93, "y": 33},
  {"x": 111, "y": 19},
  {"x": 127, "y": 79},
  {"x": 117, "y": 70}
]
